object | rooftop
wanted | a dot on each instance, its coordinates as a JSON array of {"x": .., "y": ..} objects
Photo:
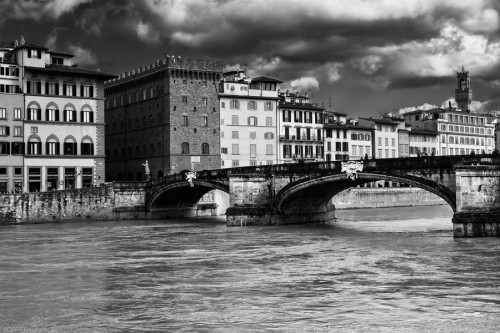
[
  {"x": 30, "y": 46},
  {"x": 301, "y": 106},
  {"x": 265, "y": 79},
  {"x": 422, "y": 131},
  {"x": 71, "y": 70},
  {"x": 381, "y": 121}
]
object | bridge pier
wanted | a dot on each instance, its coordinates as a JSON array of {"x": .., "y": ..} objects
[
  {"x": 251, "y": 203},
  {"x": 478, "y": 201}
]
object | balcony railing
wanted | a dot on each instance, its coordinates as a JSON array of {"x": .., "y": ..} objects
[{"x": 300, "y": 138}]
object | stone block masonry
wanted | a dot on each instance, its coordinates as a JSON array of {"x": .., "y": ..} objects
[
  {"x": 478, "y": 201},
  {"x": 107, "y": 202}
]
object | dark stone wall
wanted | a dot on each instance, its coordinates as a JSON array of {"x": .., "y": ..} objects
[{"x": 105, "y": 202}]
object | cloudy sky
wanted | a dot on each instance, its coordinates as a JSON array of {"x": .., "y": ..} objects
[{"x": 364, "y": 57}]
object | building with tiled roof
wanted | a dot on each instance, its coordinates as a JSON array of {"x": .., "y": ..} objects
[
  {"x": 300, "y": 127},
  {"x": 51, "y": 120},
  {"x": 386, "y": 135},
  {"x": 248, "y": 118},
  {"x": 459, "y": 133}
]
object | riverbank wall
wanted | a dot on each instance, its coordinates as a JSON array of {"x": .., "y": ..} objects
[
  {"x": 108, "y": 202},
  {"x": 126, "y": 201},
  {"x": 379, "y": 197}
]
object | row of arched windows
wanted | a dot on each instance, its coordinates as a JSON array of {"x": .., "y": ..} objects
[
  {"x": 70, "y": 146},
  {"x": 463, "y": 140},
  {"x": 53, "y": 113}
]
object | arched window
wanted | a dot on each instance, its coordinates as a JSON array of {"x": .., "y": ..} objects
[
  {"x": 205, "y": 149},
  {"x": 86, "y": 115},
  {"x": 87, "y": 146},
  {"x": 70, "y": 147},
  {"x": 185, "y": 148},
  {"x": 52, "y": 146},
  {"x": 151, "y": 149},
  {"x": 144, "y": 94},
  {"x": 452, "y": 139},
  {"x": 34, "y": 146}
]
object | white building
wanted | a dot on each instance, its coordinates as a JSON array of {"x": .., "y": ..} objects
[
  {"x": 386, "y": 136},
  {"x": 300, "y": 125},
  {"x": 61, "y": 120},
  {"x": 423, "y": 142},
  {"x": 248, "y": 115},
  {"x": 460, "y": 133}
]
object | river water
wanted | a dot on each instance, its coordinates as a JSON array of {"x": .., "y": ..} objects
[{"x": 374, "y": 270}]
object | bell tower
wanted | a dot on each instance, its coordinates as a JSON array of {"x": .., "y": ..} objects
[{"x": 463, "y": 92}]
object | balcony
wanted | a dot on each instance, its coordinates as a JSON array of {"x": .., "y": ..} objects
[{"x": 311, "y": 138}]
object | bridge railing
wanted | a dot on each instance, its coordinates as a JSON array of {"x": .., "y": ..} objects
[{"x": 329, "y": 166}]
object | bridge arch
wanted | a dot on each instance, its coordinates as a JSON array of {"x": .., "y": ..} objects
[
  {"x": 180, "y": 194},
  {"x": 314, "y": 194}
]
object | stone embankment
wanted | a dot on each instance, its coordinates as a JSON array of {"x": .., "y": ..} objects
[
  {"x": 107, "y": 202},
  {"x": 380, "y": 197}
]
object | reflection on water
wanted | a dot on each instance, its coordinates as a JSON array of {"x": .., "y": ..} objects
[{"x": 373, "y": 270}]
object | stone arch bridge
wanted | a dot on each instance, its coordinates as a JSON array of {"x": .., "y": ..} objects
[{"x": 301, "y": 193}]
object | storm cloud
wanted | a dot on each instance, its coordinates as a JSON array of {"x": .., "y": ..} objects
[{"x": 330, "y": 46}]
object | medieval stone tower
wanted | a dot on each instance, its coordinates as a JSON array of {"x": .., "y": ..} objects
[{"x": 463, "y": 92}]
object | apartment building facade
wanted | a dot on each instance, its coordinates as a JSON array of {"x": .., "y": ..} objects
[
  {"x": 459, "y": 133},
  {"x": 11, "y": 123},
  {"x": 60, "y": 121},
  {"x": 386, "y": 135},
  {"x": 300, "y": 125},
  {"x": 248, "y": 120},
  {"x": 423, "y": 142}
]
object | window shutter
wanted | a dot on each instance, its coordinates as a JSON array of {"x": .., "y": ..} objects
[
  {"x": 39, "y": 114},
  {"x": 39, "y": 54},
  {"x": 74, "y": 115},
  {"x": 91, "y": 149},
  {"x": 57, "y": 114},
  {"x": 29, "y": 53},
  {"x": 57, "y": 148},
  {"x": 22, "y": 148},
  {"x": 81, "y": 91},
  {"x": 91, "y": 117},
  {"x": 75, "y": 146},
  {"x": 46, "y": 88},
  {"x": 46, "y": 148},
  {"x": 46, "y": 114},
  {"x": 81, "y": 116},
  {"x": 57, "y": 88},
  {"x": 28, "y": 87},
  {"x": 65, "y": 117},
  {"x": 39, "y": 144},
  {"x": 64, "y": 89},
  {"x": 7, "y": 130},
  {"x": 91, "y": 88},
  {"x": 39, "y": 90},
  {"x": 74, "y": 90}
]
